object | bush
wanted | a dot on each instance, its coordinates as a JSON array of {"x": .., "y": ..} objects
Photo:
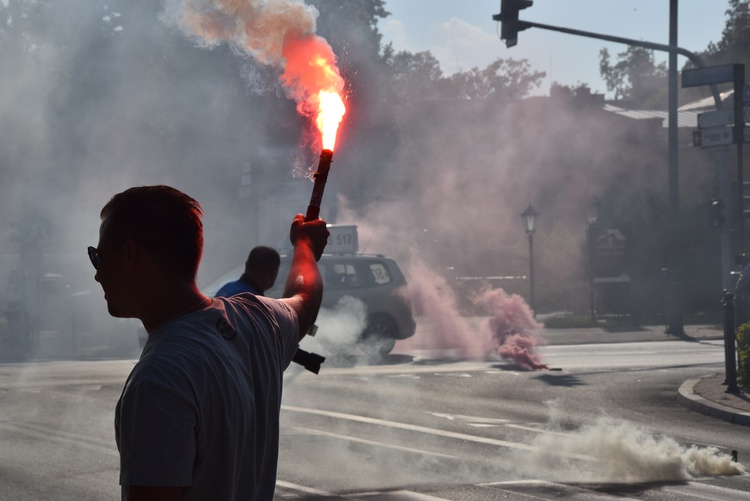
[{"x": 743, "y": 355}]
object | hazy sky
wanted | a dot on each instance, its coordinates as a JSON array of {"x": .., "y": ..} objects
[{"x": 462, "y": 34}]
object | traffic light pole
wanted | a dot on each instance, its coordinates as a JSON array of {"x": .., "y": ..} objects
[
  {"x": 675, "y": 309},
  {"x": 674, "y": 300},
  {"x": 627, "y": 41}
]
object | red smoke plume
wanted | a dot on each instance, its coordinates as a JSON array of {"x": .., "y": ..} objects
[
  {"x": 509, "y": 330},
  {"x": 278, "y": 33},
  {"x": 512, "y": 327}
]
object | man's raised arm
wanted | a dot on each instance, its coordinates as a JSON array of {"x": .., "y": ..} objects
[{"x": 303, "y": 290}]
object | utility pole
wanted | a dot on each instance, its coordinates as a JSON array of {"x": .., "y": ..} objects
[
  {"x": 674, "y": 313},
  {"x": 509, "y": 14}
]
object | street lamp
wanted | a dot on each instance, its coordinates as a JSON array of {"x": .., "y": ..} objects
[
  {"x": 593, "y": 217},
  {"x": 529, "y": 218}
]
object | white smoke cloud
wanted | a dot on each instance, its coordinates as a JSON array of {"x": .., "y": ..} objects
[
  {"x": 340, "y": 327},
  {"x": 610, "y": 450},
  {"x": 256, "y": 28}
]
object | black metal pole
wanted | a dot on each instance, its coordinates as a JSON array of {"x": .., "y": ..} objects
[
  {"x": 591, "y": 272},
  {"x": 729, "y": 341},
  {"x": 675, "y": 323},
  {"x": 531, "y": 272},
  {"x": 739, "y": 139}
]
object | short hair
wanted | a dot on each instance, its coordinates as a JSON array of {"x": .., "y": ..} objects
[
  {"x": 165, "y": 220},
  {"x": 263, "y": 258}
]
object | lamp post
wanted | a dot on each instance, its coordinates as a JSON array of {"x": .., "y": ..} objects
[
  {"x": 593, "y": 217},
  {"x": 529, "y": 218}
]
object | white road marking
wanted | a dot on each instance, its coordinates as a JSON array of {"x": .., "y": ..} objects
[
  {"x": 373, "y": 442},
  {"x": 424, "y": 429},
  {"x": 302, "y": 488},
  {"x": 470, "y": 419},
  {"x": 520, "y": 487},
  {"x": 76, "y": 439},
  {"x": 402, "y": 496},
  {"x": 537, "y": 430},
  {"x": 697, "y": 490}
]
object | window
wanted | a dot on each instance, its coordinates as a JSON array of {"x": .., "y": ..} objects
[{"x": 344, "y": 276}]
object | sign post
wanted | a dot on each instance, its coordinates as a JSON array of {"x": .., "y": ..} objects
[{"x": 724, "y": 127}]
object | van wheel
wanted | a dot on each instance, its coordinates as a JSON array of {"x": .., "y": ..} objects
[{"x": 379, "y": 337}]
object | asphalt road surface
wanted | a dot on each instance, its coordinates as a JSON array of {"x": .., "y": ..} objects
[{"x": 419, "y": 426}]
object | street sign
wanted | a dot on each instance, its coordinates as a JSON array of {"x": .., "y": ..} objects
[
  {"x": 718, "y": 118},
  {"x": 718, "y": 136},
  {"x": 708, "y": 76},
  {"x": 715, "y": 136}
]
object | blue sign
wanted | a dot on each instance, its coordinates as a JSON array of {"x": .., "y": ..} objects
[{"x": 708, "y": 76}]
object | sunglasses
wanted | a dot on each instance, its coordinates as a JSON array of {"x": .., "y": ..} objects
[{"x": 95, "y": 254}]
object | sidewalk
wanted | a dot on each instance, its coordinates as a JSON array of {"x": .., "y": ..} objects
[{"x": 708, "y": 396}]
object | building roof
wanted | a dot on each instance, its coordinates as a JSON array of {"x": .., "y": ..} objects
[
  {"x": 687, "y": 114},
  {"x": 708, "y": 104},
  {"x": 687, "y": 119}
]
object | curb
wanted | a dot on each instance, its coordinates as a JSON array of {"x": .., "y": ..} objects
[{"x": 687, "y": 396}]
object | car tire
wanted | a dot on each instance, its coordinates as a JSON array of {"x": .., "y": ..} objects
[{"x": 380, "y": 335}]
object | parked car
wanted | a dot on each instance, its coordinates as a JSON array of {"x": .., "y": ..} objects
[{"x": 374, "y": 279}]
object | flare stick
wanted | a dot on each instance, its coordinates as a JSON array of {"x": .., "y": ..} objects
[
  {"x": 320, "y": 177},
  {"x": 312, "y": 361}
]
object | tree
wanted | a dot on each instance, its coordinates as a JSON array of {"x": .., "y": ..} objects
[
  {"x": 507, "y": 79},
  {"x": 636, "y": 79},
  {"x": 734, "y": 46},
  {"x": 419, "y": 77},
  {"x": 413, "y": 76}
]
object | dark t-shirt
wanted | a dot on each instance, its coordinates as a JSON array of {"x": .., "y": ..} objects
[
  {"x": 201, "y": 406},
  {"x": 238, "y": 286}
]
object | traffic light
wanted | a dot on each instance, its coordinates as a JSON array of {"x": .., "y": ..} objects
[
  {"x": 508, "y": 17},
  {"x": 716, "y": 214}
]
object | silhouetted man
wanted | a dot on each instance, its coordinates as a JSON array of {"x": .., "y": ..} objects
[
  {"x": 198, "y": 417},
  {"x": 261, "y": 270}
]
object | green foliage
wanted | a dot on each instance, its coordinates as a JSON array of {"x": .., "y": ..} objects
[
  {"x": 635, "y": 78},
  {"x": 743, "y": 354},
  {"x": 734, "y": 46},
  {"x": 508, "y": 79},
  {"x": 417, "y": 76}
]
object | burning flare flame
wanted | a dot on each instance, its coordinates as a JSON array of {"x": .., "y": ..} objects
[
  {"x": 312, "y": 78},
  {"x": 331, "y": 111},
  {"x": 278, "y": 33}
]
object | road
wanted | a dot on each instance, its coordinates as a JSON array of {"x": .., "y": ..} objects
[{"x": 418, "y": 427}]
